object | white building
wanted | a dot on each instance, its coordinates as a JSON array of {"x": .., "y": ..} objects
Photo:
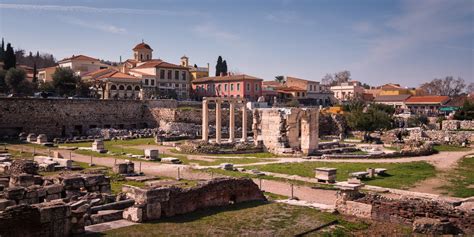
[
  {"x": 348, "y": 90},
  {"x": 82, "y": 64}
]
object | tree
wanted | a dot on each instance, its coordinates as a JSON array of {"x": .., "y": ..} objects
[
  {"x": 219, "y": 66},
  {"x": 417, "y": 120},
  {"x": 35, "y": 75},
  {"x": 470, "y": 88},
  {"x": 383, "y": 107},
  {"x": 3, "y": 85},
  {"x": 373, "y": 119},
  {"x": 327, "y": 80},
  {"x": 15, "y": 80},
  {"x": 224, "y": 67},
  {"x": 280, "y": 79},
  {"x": 466, "y": 112},
  {"x": 447, "y": 86},
  {"x": 10, "y": 59},
  {"x": 2, "y": 51},
  {"x": 65, "y": 81},
  {"x": 342, "y": 76},
  {"x": 46, "y": 87}
]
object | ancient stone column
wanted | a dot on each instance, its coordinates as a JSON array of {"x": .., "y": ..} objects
[
  {"x": 231, "y": 121},
  {"x": 218, "y": 121},
  {"x": 310, "y": 131},
  {"x": 244, "y": 123},
  {"x": 205, "y": 121}
]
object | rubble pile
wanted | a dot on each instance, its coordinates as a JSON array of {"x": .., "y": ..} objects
[
  {"x": 202, "y": 147},
  {"x": 111, "y": 133}
]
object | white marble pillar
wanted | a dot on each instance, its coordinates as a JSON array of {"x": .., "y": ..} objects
[
  {"x": 231, "y": 121},
  {"x": 244, "y": 123},
  {"x": 205, "y": 121},
  {"x": 218, "y": 121}
]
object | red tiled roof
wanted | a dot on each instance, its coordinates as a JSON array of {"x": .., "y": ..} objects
[
  {"x": 97, "y": 73},
  {"x": 290, "y": 89},
  {"x": 142, "y": 73},
  {"x": 160, "y": 63},
  {"x": 142, "y": 45},
  {"x": 117, "y": 75},
  {"x": 226, "y": 78},
  {"x": 79, "y": 57},
  {"x": 427, "y": 100}
]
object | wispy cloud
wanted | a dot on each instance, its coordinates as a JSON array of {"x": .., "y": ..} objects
[
  {"x": 211, "y": 30},
  {"x": 421, "y": 23},
  {"x": 86, "y": 9},
  {"x": 288, "y": 17},
  {"x": 101, "y": 26},
  {"x": 363, "y": 27}
]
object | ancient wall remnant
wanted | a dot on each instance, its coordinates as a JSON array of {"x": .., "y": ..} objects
[
  {"x": 286, "y": 130},
  {"x": 442, "y": 216},
  {"x": 64, "y": 117},
  {"x": 457, "y": 125},
  {"x": 153, "y": 203}
]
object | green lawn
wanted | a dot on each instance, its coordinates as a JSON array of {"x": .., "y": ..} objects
[
  {"x": 399, "y": 175},
  {"x": 461, "y": 179},
  {"x": 450, "y": 148},
  {"x": 249, "y": 219}
]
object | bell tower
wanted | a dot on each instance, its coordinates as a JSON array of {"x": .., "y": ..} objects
[{"x": 142, "y": 52}]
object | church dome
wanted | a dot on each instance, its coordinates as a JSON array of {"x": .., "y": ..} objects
[{"x": 142, "y": 45}]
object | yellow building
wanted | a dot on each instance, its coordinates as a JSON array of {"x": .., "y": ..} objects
[
  {"x": 396, "y": 89},
  {"x": 195, "y": 71}
]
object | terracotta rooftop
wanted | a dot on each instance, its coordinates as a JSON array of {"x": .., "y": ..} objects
[
  {"x": 79, "y": 57},
  {"x": 226, "y": 78},
  {"x": 141, "y": 73},
  {"x": 159, "y": 63},
  {"x": 142, "y": 45},
  {"x": 427, "y": 100},
  {"x": 391, "y": 98},
  {"x": 290, "y": 89}
]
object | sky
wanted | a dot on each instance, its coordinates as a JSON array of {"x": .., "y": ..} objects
[{"x": 378, "y": 41}]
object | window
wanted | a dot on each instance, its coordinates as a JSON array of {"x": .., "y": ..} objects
[
  {"x": 146, "y": 82},
  {"x": 184, "y": 75},
  {"x": 137, "y": 88},
  {"x": 113, "y": 87},
  {"x": 219, "y": 87},
  {"x": 162, "y": 84},
  {"x": 147, "y": 57},
  {"x": 162, "y": 74},
  {"x": 141, "y": 57},
  {"x": 176, "y": 75},
  {"x": 232, "y": 87},
  {"x": 176, "y": 85},
  {"x": 152, "y": 82},
  {"x": 225, "y": 87},
  {"x": 310, "y": 87},
  {"x": 121, "y": 87},
  {"x": 238, "y": 86},
  {"x": 256, "y": 87},
  {"x": 129, "y": 88},
  {"x": 248, "y": 86},
  {"x": 169, "y": 74}
]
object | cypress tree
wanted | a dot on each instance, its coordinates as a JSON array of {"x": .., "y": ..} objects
[
  {"x": 35, "y": 72},
  {"x": 2, "y": 51},
  {"x": 224, "y": 68},
  {"x": 10, "y": 58},
  {"x": 219, "y": 66}
]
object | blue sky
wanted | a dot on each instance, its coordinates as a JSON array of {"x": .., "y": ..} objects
[{"x": 379, "y": 41}]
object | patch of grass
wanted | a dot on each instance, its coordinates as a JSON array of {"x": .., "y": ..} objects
[
  {"x": 399, "y": 175},
  {"x": 439, "y": 148},
  {"x": 461, "y": 179},
  {"x": 249, "y": 218}
]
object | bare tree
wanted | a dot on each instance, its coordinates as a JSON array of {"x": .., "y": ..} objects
[
  {"x": 327, "y": 79},
  {"x": 447, "y": 86},
  {"x": 342, "y": 76},
  {"x": 470, "y": 88}
]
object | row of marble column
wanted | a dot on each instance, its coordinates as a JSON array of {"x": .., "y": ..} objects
[{"x": 205, "y": 121}]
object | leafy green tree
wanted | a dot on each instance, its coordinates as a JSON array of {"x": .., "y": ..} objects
[
  {"x": 2, "y": 51},
  {"x": 373, "y": 119},
  {"x": 15, "y": 80},
  {"x": 466, "y": 112},
  {"x": 386, "y": 108},
  {"x": 65, "y": 81},
  {"x": 353, "y": 105},
  {"x": 417, "y": 120},
  {"x": 10, "y": 58},
  {"x": 46, "y": 87}
]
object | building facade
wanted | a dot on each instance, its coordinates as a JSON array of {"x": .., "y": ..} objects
[
  {"x": 233, "y": 86},
  {"x": 427, "y": 105},
  {"x": 348, "y": 90},
  {"x": 112, "y": 84},
  {"x": 82, "y": 64}
]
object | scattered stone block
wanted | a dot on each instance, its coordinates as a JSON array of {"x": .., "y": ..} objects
[
  {"x": 171, "y": 160},
  {"x": 98, "y": 145},
  {"x": 432, "y": 226},
  {"x": 41, "y": 139},
  {"x": 124, "y": 168},
  {"x": 152, "y": 154},
  {"x": 326, "y": 174},
  {"x": 23, "y": 180},
  {"x": 31, "y": 137},
  {"x": 134, "y": 214},
  {"x": 4, "y": 203},
  {"x": 106, "y": 216},
  {"x": 15, "y": 193},
  {"x": 227, "y": 166}
]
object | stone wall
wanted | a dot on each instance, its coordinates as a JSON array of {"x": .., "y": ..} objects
[
  {"x": 47, "y": 219},
  {"x": 458, "y": 124},
  {"x": 154, "y": 203},
  {"x": 408, "y": 210},
  {"x": 64, "y": 117}
]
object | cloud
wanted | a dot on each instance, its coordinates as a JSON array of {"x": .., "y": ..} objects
[
  {"x": 363, "y": 27},
  {"x": 424, "y": 22},
  {"x": 101, "y": 26},
  {"x": 288, "y": 17},
  {"x": 211, "y": 30},
  {"x": 85, "y": 9}
]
